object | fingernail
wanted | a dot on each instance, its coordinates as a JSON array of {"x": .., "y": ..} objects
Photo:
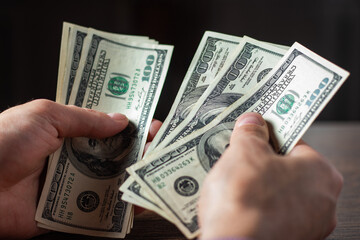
[
  {"x": 117, "y": 116},
  {"x": 250, "y": 118}
]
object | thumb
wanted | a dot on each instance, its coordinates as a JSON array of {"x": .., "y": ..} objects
[
  {"x": 71, "y": 121},
  {"x": 88, "y": 123},
  {"x": 249, "y": 126}
]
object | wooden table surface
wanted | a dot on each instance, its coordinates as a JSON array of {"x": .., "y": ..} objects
[{"x": 339, "y": 142}]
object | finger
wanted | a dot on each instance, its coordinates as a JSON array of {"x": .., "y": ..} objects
[
  {"x": 300, "y": 142},
  {"x": 307, "y": 153},
  {"x": 82, "y": 122},
  {"x": 154, "y": 128},
  {"x": 302, "y": 149},
  {"x": 138, "y": 210},
  {"x": 249, "y": 125},
  {"x": 72, "y": 121},
  {"x": 146, "y": 147}
]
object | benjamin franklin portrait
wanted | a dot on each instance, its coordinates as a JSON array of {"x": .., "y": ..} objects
[
  {"x": 209, "y": 110},
  {"x": 215, "y": 106},
  {"x": 213, "y": 143},
  {"x": 186, "y": 105},
  {"x": 102, "y": 158}
]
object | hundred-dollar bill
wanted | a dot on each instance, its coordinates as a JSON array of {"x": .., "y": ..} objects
[
  {"x": 212, "y": 53},
  {"x": 133, "y": 193},
  {"x": 81, "y": 192},
  {"x": 289, "y": 99},
  {"x": 251, "y": 62},
  {"x": 72, "y": 41}
]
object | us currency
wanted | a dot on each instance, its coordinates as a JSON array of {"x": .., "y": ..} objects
[
  {"x": 289, "y": 99},
  {"x": 81, "y": 189},
  {"x": 212, "y": 53},
  {"x": 257, "y": 59},
  {"x": 251, "y": 62},
  {"x": 137, "y": 195},
  {"x": 72, "y": 41}
]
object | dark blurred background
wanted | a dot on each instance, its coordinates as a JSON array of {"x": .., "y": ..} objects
[{"x": 31, "y": 34}]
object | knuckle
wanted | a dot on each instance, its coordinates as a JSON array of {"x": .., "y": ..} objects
[
  {"x": 335, "y": 175},
  {"x": 319, "y": 156},
  {"x": 263, "y": 145},
  {"x": 91, "y": 110},
  {"x": 255, "y": 144},
  {"x": 41, "y": 106},
  {"x": 44, "y": 112},
  {"x": 254, "y": 131},
  {"x": 42, "y": 102}
]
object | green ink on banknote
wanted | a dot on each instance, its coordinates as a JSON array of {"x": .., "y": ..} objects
[
  {"x": 148, "y": 69},
  {"x": 316, "y": 92},
  {"x": 285, "y": 104},
  {"x": 118, "y": 85}
]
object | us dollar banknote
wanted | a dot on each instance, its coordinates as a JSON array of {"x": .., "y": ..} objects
[
  {"x": 137, "y": 195},
  {"x": 251, "y": 62},
  {"x": 289, "y": 98},
  {"x": 212, "y": 53},
  {"x": 81, "y": 193},
  {"x": 72, "y": 42}
]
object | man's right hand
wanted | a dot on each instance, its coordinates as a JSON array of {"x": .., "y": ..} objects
[{"x": 255, "y": 193}]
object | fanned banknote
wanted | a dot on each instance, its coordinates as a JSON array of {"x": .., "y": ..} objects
[
  {"x": 136, "y": 195},
  {"x": 114, "y": 74},
  {"x": 251, "y": 62},
  {"x": 72, "y": 42},
  {"x": 289, "y": 99},
  {"x": 210, "y": 57}
]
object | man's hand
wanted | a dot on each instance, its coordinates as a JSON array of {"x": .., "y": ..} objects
[
  {"x": 28, "y": 134},
  {"x": 254, "y": 192}
]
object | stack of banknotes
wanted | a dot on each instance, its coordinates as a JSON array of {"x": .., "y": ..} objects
[
  {"x": 228, "y": 76},
  {"x": 110, "y": 73}
]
